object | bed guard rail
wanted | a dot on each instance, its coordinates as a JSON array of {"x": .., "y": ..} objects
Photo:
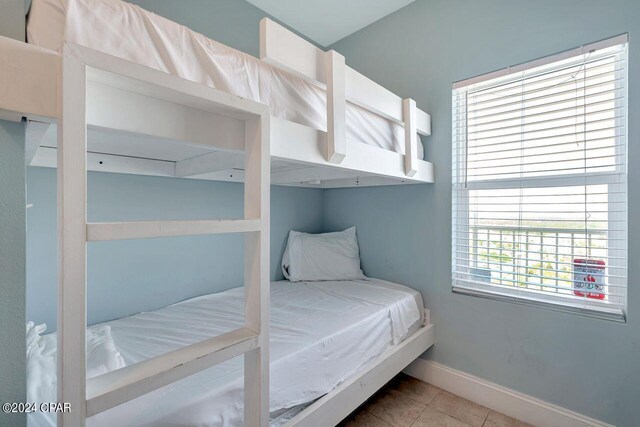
[{"x": 284, "y": 49}]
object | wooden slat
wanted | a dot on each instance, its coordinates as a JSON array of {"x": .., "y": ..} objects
[
  {"x": 119, "y": 73},
  {"x": 298, "y": 143},
  {"x": 116, "y": 387},
  {"x": 29, "y": 79},
  {"x": 35, "y": 132},
  {"x": 410, "y": 137},
  {"x": 277, "y": 45},
  {"x": 284, "y": 49},
  {"x": 125, "y": 110},
  {"x": 256, "y": 269},
  {"x": 423, "y": 122},
  {"x": 211, "y": 162},
  {"x": 147, "y": 229},
  {"x": 311, "y": 175},
  {"x": 72, "y": 260},
  {"x": 336, "y": 107},
  {"x": 46, "y": 157},
  {"x": 368, "y": 94}
]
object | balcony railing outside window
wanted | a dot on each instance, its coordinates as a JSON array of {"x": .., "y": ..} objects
[{"x": 539, "y": 259}]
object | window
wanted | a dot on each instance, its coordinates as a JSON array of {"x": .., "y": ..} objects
[{"x": 540, "y": 182}]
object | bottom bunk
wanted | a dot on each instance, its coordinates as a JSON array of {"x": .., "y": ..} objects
[{"x": 328, "y": 338}]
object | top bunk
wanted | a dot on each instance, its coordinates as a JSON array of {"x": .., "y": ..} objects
[{"x": 330, "y": 126}]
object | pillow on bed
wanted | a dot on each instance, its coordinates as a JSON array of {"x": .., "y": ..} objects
[{"x": 328, "y": 256}]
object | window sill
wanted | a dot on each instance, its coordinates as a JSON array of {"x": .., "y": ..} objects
[{"x": 530, "y": 298}]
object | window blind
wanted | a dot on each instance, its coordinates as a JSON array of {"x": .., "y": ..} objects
[{"x": 540, "y": 182}]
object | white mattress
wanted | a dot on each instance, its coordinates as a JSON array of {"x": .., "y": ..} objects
[
  {"x": 130, "y": 32},
  {"x": 321, "y": 334}
]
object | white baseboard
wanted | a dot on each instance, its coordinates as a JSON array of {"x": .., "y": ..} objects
[{"x": 509, "y": 402}]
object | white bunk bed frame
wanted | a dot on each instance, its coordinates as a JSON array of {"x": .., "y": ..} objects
[
  {"x": 83, "y": 90},
  {"x": 120, "y": 129}
]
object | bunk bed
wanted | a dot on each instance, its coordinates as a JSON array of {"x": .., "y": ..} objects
[
  {"x": 106, "y": 94},
  {"x": 321, "y": 333},
  {"x": 364, "y": 143}
]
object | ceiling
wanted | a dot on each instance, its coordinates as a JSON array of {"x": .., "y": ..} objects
[{"x": 327, "y": 21}]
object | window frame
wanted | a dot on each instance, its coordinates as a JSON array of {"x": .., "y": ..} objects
[{"x": 616, "y": 306}]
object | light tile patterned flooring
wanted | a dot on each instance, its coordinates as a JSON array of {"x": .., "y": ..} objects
[{"x": 408, "y": 402}]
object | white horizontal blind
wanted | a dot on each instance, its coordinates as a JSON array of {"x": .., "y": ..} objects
[{"x": 539, "y": 182}]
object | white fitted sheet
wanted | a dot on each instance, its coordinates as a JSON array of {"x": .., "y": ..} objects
[
  {"x": 321, "y": 334},
  {"x": 130, "y": 32}
]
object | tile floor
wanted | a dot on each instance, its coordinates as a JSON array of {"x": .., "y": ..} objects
[{"x": 408, "y": 402}]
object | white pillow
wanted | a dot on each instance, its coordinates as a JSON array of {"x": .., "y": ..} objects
[{"x": 328, "y": 256}]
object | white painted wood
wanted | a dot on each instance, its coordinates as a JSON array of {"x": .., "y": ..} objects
[
  {"x": 212, "y": 162},
  {"x": 284, "y": 49},
  {"x": 363, "y": 181},
  {"x": 120, "y": 73},
  {"x": 10, "y": 116},
  {"x": 28, "y": 79},
  {"x": 427, "y": 316},
  {"x": 72, "y": 252},
  {"x": 336, "y": 107},
  {"x": 298, "y": 143},
  {"x": 34, "y": 135},
  {"x": 499, "y": 398},
  {"x": 121, "y": 107},
  {"x": 228, "y": 176},
  {"x": 47, "y": 157},
  {"x": 125, "y": 384},
  {"x": 410, "y": 136},
  {"x": 257, "y": 268},
  {"x": 300, "y": 175},
  {"x": 116, "y": 108},
  {"x": 423, "y": 122},
  {"x": 366, "y": 93},
  {"x": 149, "y": 229},
  {"x": 110, "y": 141},
  {"x": 340, "y": 402},
  {"x": 119, "y": 386},
  {"x": 310, "y": 174}
]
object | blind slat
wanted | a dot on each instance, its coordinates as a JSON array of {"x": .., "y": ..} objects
[
  {"x": 619, "y": 143},
  {"x": 573, "y": 84},
  {"x": 460, "y": 117},
  {"x": 568, "y": 71}
]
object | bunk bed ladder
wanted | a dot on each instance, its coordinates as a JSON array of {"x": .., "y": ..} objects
[{"x": 87, "y": 398}]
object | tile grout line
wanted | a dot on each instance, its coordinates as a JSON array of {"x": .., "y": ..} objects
[
  {"x": 426, "y": 405},
  {"x": 406, "y": 396},
  {"x": 375, "y": 416},
  {"x": 416, "y": 420},
  {"x": 486, "y": 417}
]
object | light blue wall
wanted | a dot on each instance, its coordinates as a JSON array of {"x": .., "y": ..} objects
[
  {"x": 126, "y": 277},
  {"x": 12, "y": 241},
  {"x": 587, "y": 365}
]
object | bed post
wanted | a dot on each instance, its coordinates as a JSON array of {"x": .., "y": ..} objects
[
  {"x": 256, "y": 269},
  {"x": 335, "y": 78},
  {"x": 409, "y": 116},
  {"x": 72, "y": 253}
]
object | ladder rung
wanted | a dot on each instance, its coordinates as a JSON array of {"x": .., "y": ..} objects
[
  {"x": 145, "y": 229},
  {"x": 117, "y": 387}
]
